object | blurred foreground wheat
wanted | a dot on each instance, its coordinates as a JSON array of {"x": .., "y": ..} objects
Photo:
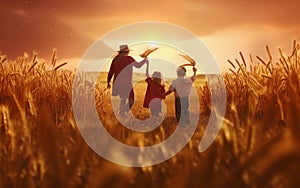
[{"x": 257, "y": 147}]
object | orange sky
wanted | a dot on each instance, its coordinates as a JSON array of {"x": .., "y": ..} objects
[{"x": 71, "y": 26}]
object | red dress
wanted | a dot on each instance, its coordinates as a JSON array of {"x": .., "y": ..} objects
[{"x": 154, "y": 91}]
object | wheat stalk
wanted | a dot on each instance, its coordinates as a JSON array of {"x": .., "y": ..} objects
[
  {"x": 32, "y": 66},
  {"x": 59, "y": 66}
]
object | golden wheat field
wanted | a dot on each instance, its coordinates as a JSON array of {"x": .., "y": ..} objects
[{"x": 258, "y": 145}]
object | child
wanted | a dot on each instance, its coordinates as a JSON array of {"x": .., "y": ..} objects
[
  {"x": 182, "y": 88},
  {"x": 154, "y": 92}
]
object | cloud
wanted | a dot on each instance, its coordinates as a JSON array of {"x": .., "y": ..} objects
[
  {"x": 207, "y": 17},
  {"x": 26, "y": 30},
  {"x": 228, "y": 43},
  {"x": 72, "y": 26},
  {"x": 201, "y": 17}
]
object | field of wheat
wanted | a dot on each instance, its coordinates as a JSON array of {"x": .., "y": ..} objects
[{"x": 257, "y": 146}]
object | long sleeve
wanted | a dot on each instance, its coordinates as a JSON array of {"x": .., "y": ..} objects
[
  {"x": 147, "y": 70},
  {"x": 194, "y": 77},
  {"x": 111, "y": 72},
  {"x": 140, "y": 64}
]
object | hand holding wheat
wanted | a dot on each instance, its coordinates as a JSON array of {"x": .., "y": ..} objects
[
  {"x": 188, "y": 58},
  {"x": 147, "y": 52}
]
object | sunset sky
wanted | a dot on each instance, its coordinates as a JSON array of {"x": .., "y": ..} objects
[{"x": 71, "y": 26}]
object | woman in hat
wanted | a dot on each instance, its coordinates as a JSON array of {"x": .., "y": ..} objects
[{"x": 121, "y": 70}]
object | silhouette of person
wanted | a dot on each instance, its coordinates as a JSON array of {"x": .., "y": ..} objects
[{"x": 121, "y": 69}]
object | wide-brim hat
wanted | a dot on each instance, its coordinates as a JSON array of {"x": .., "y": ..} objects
[{"x": 124, "y": 48}]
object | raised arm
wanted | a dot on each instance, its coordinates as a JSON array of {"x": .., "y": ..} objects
[
  {"x": 147, "y": 69},
  {"x": 193, "y": 78},
  {"x": 141, "y": 63}
]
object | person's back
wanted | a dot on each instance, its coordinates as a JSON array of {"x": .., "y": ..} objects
[
  {"x": 182, "y": 87},
  {"x": 123, "y": 68},
  {"x": 154, "y": 92}
]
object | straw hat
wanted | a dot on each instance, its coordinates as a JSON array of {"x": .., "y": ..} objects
[{"x": 124, "y": 48}]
